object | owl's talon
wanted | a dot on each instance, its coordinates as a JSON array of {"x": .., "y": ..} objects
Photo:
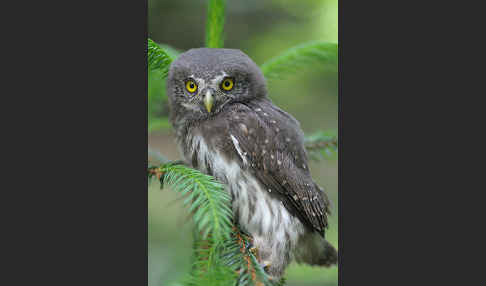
[
  {"x": 254, "y": 251},
  {"x": 266, "y": 265}
]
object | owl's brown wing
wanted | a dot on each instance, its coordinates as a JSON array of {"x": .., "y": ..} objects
[{"x": 270, "y": 143}]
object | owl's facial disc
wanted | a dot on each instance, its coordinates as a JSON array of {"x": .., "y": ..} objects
[{"x": 207, "y": 94}]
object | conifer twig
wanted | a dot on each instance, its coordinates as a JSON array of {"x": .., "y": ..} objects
[
  {"x": 158, "y": 58},
  {"x": 317, "y": 53},
  {"x": 321, "y": 144}
]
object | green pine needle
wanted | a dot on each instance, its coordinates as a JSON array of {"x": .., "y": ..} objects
[
  {"x": 318, "y": 53},
  {"x": 209, "y": 269},
  {"x": 158, "y": 58},
  {"x": 205, "y": 197},
  {"x": 215, "y": 24},
  {"x": 236, "y": 254}
]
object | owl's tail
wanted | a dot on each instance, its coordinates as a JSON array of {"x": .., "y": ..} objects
[
  {"x": 315, "y": 250},
  {"x": 329, "y": 256}
]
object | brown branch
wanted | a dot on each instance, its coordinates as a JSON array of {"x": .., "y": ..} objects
[
  {"x": 316, "y": 145},
  {"x": 157, "y": 172},
  {"x": 247, "y": 258}
]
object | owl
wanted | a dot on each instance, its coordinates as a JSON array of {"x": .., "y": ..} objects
[{"x": 227, "y": 127}]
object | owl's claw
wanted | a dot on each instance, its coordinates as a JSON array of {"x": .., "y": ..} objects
[
  {"x": 266, "y": 265},
  {"x": 254, "y": 251}
]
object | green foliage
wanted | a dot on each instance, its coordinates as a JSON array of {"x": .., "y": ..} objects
[
  {"x": 205, "y": 197},
  {"x": 215, "y": 24},
  {"x": 319, "y": 53},
  {"x": 211, "y": 272},
  {"x": 158, "y": 58},
  {"x": 237, "y": 254}
]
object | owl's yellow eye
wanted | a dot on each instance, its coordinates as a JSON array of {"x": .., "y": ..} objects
[
  {"x": 227, "y": 84},
  {"x": 191, "y": 86}
]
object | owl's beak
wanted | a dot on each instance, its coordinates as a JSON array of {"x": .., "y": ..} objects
[{"x": 208, "y": 101}]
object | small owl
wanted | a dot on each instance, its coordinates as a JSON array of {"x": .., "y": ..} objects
[{"x": 227, "y": 127}]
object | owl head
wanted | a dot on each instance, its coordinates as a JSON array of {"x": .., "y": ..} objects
[{"x": 202, "y": 81}]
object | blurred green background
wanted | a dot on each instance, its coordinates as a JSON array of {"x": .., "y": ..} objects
[{"x": 262, "y": 29}]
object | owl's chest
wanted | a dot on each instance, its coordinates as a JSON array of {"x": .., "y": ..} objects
[
  {"x": 212, "y": 157},
  {"x": 253, "y": 207}
]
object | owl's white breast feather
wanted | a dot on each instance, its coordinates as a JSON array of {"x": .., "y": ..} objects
[{"x": 238, "y": 149}]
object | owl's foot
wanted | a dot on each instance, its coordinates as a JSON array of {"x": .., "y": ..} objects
[
  {"x": 254, "y": 251},
  {"x": 266, "y": 266}
]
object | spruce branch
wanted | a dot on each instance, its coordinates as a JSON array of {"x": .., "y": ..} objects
[
  {"x": 208, "y": 267},
  {"x": 158, "y": 58},
  {"x": 321, "y": 144},
  {"x": 239, "y": 254},
  {"x": 317, "y": 53},
  {"x": 215, "y": 24},
  {"x": 203, "y": 195}
]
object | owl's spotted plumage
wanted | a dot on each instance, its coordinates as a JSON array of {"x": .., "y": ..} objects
[{"x": 236, "y": 134}]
